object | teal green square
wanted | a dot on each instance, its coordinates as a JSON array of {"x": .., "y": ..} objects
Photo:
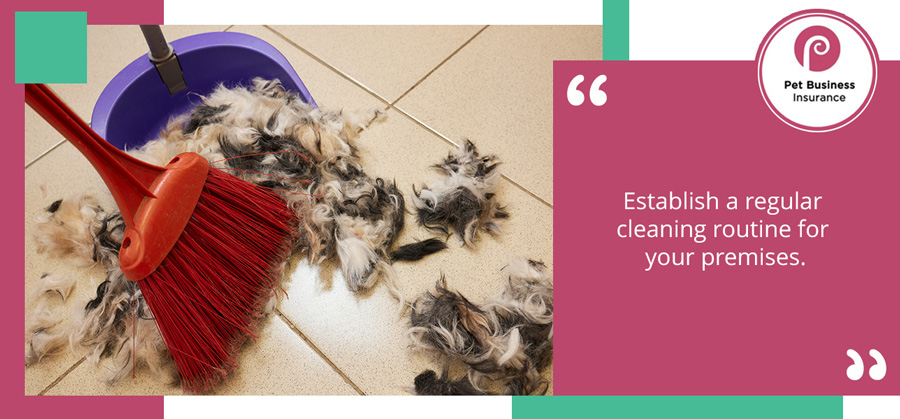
[
  {"x": 616, "y": 30},
  {"x": 51, "y": 47}
]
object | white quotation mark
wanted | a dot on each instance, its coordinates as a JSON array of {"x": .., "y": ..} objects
[
  {"x": 576, "y": 98},
  {"x": 856, "y": 371},
  {"x": 879, "y": 370}
]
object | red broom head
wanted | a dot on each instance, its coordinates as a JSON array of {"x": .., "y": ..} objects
[
  {"x": 207, "y": 295},
  {"x": 207, "y": 292}
]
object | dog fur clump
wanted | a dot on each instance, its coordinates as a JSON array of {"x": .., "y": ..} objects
[
  {"x": 429, "y": 383},
  {"x": 508, "y": 341},
  {"x": 66, "y": 229},
  {"x": 104, "y": 326},
  {"x": 56, "y": 285},
  {"x": 118, "y": 324},
  {"x": 45, "y": 332},
  {"x": 463, "y": 200}
]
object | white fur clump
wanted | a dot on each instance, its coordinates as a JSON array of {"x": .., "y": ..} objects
[
  {"x": 45, "y": 333},
  {"x": 463, "y": 200},
  {"x": 528, "y": 293},
  {"x": 56, "y": 285},
  {"x": 507, "y": 341}
]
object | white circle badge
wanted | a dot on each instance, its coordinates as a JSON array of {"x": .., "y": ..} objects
[{"x": 817, "y": 70}]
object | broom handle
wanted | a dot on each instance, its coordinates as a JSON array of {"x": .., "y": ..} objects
[
  {"x": 159, "y": 48},
  {"x": 128, "y": 178},
  {"x": 164, "y": 59}
]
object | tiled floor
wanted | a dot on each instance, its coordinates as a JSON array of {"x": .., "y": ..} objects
[{"x": 439, "y": 85}]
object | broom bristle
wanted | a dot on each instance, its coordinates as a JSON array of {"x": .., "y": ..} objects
[{"x": 208, "y": 294}]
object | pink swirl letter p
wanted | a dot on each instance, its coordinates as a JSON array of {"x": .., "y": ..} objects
[{"x": 817, "y": 48}]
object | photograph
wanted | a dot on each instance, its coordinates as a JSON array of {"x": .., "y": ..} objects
[{"x": 295, "y": 210}]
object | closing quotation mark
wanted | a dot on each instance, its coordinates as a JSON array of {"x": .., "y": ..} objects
[
  {"x": 856, "y": 371},
  {"x": 879, "y": 370},
  {"x": 576, "y": 98}
]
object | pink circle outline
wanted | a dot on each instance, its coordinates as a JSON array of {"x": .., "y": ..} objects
[{"x": 873, "y": 54}]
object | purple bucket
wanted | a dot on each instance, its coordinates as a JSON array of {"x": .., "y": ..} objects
[{"x": 136, "y": 105}]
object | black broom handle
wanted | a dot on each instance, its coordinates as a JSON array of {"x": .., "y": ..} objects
[
  {"x": 163, "y": 58},
  {"x": 159, "y": 48}
]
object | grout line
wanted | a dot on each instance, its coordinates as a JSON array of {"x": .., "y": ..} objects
[
  {"x": 318, "y": 351},
  {"x": 533, "y": 195},
  {"x": 45, "y": 153},
  {"x": 450, "y": 142},
  {"x": 329, "y": 66},
  {"x": 61, "y": 377},
  {"x": 226, "y": 29},
  {"x": 427, "y": 128},
  {"x": 439, "y": 65}
]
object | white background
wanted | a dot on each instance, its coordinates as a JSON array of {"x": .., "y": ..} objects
[
  {"x": 871, "y": 407},
  {"x": 660, "y": 30},
  {"x": 729, "y": 30},
  {"x": 382, "y": 12},
  {"x": 326, "y": 407}
]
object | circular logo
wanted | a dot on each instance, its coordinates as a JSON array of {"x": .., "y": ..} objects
[
  {"x": 817, "y": 48},
  {"x": 817, "y": 70}
]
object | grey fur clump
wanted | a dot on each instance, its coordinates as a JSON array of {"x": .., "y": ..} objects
[
  {"x": 507, "y": 340},
  {"x": 463, "y": 200},
  {"x": 429, "y": 383}
]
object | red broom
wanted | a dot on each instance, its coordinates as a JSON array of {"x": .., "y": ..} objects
[{"x": 204, "y": 246}]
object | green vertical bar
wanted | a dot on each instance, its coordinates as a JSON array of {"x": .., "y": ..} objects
[
  {"x": 678, "y": 407},
  {"x": 615, "y": 30}
]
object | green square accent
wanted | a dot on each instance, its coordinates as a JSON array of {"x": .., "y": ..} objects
[
  {"x": 615, "y": 30},
  {"x": 51, "y": 47}
]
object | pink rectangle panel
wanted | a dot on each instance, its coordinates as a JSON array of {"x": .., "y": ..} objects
[{"x": 703, "y": 127}]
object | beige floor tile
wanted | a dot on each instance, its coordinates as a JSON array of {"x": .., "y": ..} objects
[
  {"x": 387, "y": 59},
  {"x": 330, "y": 90},
  {"x": 39, "y": 377},
  {"x": 62, "y": 173},
  {"x": 363, "y": 335},
  {"x": 278, "y": 363},
  {"x": 40, "y": 136},
  {"x": 497, "y": 92},
  {"x": 110, "y": 49}
]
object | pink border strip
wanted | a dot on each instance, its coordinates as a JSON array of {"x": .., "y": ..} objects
[
  {"x": 873, "y": 53},
  {"x": 98, "y": 12}
]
